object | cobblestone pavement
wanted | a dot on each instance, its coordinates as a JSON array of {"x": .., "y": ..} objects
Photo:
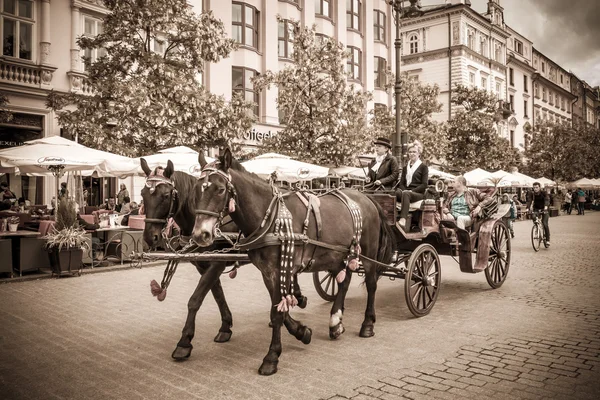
[{"x": 103, "y": 336}]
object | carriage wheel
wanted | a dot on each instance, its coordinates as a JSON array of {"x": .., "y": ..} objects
[
  {"x": 536, "y": 237},
  {"x": 422, "y": 280},
  {"x": 326, "y": 285},
  {"x": 499, "y": 258}
]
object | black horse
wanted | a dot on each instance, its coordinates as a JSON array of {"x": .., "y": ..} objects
[
  {"x": 170, "y": 193},
  {"x": 351, "y": 223}
]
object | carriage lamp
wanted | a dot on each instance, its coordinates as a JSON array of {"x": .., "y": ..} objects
[{"x": 400, "y": 139}]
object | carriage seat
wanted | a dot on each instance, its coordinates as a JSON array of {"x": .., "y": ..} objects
[{"x": 413, "y": 206}]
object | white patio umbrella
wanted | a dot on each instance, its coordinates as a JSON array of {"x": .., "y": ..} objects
[
  {"x": 286, "y": 168},
  {"x": 441, "y": 174},
  {"x": 506, "y": 179},
  {"x": 546, "y": 182},
  {"x": 524, "y": 180},
  {"x": 479, "y": 177},
  {"x": 583, "y": 183}
]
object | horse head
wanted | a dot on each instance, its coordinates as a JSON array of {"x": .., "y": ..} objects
[
  {"x": 214, "y": 193},
  {"x": 159, "y": 195}
]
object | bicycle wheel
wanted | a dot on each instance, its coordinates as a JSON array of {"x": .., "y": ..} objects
[{"x": 536, "y": 237}]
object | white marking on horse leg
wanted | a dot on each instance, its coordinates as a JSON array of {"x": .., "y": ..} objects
[{"x": 335, "y": 318}]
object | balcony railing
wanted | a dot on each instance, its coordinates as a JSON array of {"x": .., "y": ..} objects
[{"x": 25, "y": 74}]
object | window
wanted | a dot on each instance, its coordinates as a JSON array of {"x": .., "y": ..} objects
[
  {"x": 525, "y": 84},
  {"x": 323, "y": 8},
  {"x": 245, "y": 24},
  {"x": 353, "y": 14},
  {"x": 512, "y": 138},
  {"x": 379, "y": 25},
  {"x": 536, "y": 90},
  {"x": 525, "y": 109},
  {"x": 472, "y": 78},
  {"x": 561, "y": 79},
  {"x": 544, "y": 95},
  {"x": 241, "y": 82},
  {"x": 413, "y": 43},
  {"x": 483, "y": 47},
  {"x": 551, "y": 101},
  {"x": 543, "y": 67},
  {"x": 512, "y": 103},
  {"x": 379, "y": 72},
  {"x": 354, "y": 63},
  {"x": 17, "y": 22},
  {"x": 471, "y": 39},
  {"x": 498, "y": 53},
  {"x": 91, "y": 28},
  {"x": 484, "y": 83},
  {"x": 285, "y": 35},
  {"x": 511, "y": 76},
  {"x": 557, "y": 102},
  {"x": 498, "y": 88},
  {"x": 518, "y": 46}
]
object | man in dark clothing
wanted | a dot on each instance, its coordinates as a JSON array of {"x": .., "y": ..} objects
[
  {"x": 538, "y": 201},
  {"x": 383, "y": 170}
]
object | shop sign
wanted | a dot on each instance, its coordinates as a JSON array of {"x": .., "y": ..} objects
[{"x": 257, "y": 136}]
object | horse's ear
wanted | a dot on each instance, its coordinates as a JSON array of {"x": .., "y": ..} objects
[
  {"x": 201, "y": 158},
  {"x": 169, "y": 170},
  {"x": 145, "y": 167},
  {"x": 226, "y": 160}
]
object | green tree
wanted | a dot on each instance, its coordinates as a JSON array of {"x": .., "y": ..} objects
[
  {"x": 146, "y": 91},
  {"x": 419, "y": 102},
  {"x": 325, "y": 118},
  {"x": 563, "y": 152},
  {"x": 473, "y": 139},
  {"x": 5, "y": 114}
]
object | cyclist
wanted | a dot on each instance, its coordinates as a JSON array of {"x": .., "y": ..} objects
[{"x": 537, "y": 202}]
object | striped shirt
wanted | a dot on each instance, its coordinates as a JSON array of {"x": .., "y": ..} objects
[{"x": 459, "y": 206}]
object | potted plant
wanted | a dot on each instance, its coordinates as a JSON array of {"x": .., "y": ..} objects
[
  {"x": 13, "y": 223},
  {"x": 66, "y": 241}
]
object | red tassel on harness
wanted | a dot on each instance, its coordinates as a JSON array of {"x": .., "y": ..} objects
[
  {"x": 233, "y": 273},
  {"x": 231, "y": 205},
  {"x": 157, "y": 291},
  {"x": 341, "y": 276},
  {"x": 353, "y": 264}
]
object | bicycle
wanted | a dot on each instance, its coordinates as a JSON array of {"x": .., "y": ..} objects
[{"x": 538, "y": 234}]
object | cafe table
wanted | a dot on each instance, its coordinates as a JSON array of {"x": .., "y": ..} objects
[
  {"x": 15, "y": 238},
  {"x": 124, "y": 239}
]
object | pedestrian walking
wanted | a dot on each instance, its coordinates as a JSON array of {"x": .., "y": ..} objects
[
  {"x": 121, "y": 196},
  {"x": 580, "y": 201},
  {"x": 567, "y": 202}
]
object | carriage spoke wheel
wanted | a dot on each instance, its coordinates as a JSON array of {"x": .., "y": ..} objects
[
  {"x": 536, "y": 237},
  {"x": 422, "y": 280},
  {"x": 499, "y": 258},
  {"x": 326, "y": 285}
]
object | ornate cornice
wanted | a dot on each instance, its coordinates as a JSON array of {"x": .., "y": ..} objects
[
  {"x": 514, "y": 60},
  {"x": 537, "y": 77},
  {"x": 425, "y": 56},
  {"x": 93, "y": 5}
]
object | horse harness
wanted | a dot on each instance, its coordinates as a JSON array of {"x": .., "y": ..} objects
[{"x": 280, "y": 218}]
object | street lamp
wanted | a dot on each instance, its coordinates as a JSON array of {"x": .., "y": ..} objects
[{"x": 400, "y": 11}]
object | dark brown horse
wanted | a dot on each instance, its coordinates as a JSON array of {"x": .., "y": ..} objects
[
  {"x": 248, "y": 200},
  {"x": 169, "y": 193}
]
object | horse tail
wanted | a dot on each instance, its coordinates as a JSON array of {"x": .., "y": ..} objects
[{"x": 387, "y": 241}]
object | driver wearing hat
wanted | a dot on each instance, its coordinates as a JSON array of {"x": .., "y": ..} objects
[{"x": 383, "y": 170}]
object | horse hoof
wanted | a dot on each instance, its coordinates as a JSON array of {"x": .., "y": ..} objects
[
  {"x": 223, "y": 337},
  {"x": 270, "y": 324},
  {"x": 268, "y": 368},
  {"x": 302, "y": 302},
  {"x": 181, "y": 353},
  {"x": 307, "y": 336},
  {"x": 366, "y": 331},
  {"x": 336, "y": 331}
]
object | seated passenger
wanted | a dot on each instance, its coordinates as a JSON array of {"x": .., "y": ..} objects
[
  {"x": 464, "y": 204},
  {"x": 383, "y": 170},
  {"x": 413, "y": 182}
]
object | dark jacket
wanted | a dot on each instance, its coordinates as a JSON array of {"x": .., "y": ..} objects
[
  {"x": 387, "y": 173},
  {"x": 419, "y": 179},
  {"x": 473, "y": 197},
  {"x": 539, "y": 200}
]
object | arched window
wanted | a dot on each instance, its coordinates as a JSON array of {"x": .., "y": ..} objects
[
  {"x": 471, "y": 39},
  {"x": 413, "y": 42}
]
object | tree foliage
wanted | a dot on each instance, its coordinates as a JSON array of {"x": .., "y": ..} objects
[
  {"x": 473, "y": 139},
  {"x": 563, "y": 152},
  {"x": 146, "y": 92},
  {"x": 419, "y": 102},
  {"x": 5, "y": 114},
  {"x": 325, "y": 118}
]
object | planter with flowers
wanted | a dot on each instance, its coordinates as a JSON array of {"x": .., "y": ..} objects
[
  {"x": 13, "y": 224},
  {"x": 66, "y": 240}
]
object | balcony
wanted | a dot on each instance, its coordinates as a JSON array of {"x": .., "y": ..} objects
[{"x": 24, "y": 73}]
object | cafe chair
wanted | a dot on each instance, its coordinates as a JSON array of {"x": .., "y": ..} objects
[
  {"x": 6, "y": 260},
  {"x": 32, "y": 252}
]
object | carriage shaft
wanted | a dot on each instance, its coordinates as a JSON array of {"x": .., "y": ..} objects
[{"x": 156, "y": 256}]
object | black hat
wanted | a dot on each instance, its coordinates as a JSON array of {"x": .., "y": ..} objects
[{"x": 384, "y": 142}]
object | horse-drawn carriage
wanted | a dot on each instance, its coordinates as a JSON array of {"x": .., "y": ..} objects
[{"x": 286, "y": 233}]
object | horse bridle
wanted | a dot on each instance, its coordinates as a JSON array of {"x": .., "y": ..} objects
[
  {"x": 151, "y": 183},
  {"x": 207, "y": 171}
]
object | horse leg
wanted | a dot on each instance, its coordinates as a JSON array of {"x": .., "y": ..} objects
[
  {"x": 366, "y": 330},
  {"x": 210, "y": 275},
  {"x": 297, "y": 329},
  {"x": 269, "y": 364},
  {"x": 302, "y": 300},
  {"x": 336, "y": 328},
  {"x": 225, "y": 332}
]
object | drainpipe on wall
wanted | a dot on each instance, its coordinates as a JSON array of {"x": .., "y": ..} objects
[{"x": 450, "y": 69}]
